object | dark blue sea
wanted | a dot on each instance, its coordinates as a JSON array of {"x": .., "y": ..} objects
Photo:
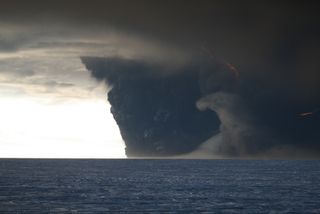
[{"x": 159, "y": 186}]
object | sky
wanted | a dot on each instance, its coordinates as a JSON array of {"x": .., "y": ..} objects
[
  {"x": 61, "y": 60},
  {"x": 51, "y": 108}
]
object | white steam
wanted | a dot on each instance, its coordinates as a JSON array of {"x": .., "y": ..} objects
[{"x": 237, "y": 130}]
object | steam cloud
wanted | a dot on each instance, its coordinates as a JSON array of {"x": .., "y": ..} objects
[{"x": 163, "y": 110}]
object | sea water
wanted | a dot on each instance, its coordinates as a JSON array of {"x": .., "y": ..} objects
[{"x": 159, "y": 186}]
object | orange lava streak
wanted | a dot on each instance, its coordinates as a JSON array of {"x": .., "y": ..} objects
[
  {"x": 304, "y": 114},
  {"x": 233, "y": 70}
]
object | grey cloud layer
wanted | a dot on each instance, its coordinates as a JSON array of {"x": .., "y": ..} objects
[{"x": 246, "y": 33}]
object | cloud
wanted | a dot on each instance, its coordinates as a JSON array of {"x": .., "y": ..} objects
[
  {"x": 49, "y": 78},
  {"x": 254, "y": 116},
  {"x": 154, "y": 106},
  {"x": 243, "y": 33}
]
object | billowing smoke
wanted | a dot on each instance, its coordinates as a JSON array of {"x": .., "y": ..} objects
[
  {"x": 165, "y": 110},
  {"x": 155, "y": 111}
]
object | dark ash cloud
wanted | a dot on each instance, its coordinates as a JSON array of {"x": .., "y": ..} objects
[
  {"x": 156, "y": 113},
  {"x": 159, "y": 112}
]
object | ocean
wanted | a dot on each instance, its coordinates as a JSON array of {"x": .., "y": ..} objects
[{"x": 159, "y": 186}]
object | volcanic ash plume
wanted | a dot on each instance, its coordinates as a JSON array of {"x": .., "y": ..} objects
[
  {"x": 164, "y": 110},
  {"x": 156, "y": 113}
]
